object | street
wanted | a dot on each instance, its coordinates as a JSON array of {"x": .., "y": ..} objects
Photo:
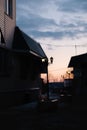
[{"x": 28, "y": 117}]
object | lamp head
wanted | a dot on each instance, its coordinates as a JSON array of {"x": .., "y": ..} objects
[{"x": 51, "y": 60}]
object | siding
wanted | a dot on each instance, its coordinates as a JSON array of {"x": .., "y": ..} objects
[
  {"x": 1, "y": 4},
  {"x": 7, "y": 24},
  {"x": 2, "y": 16}
]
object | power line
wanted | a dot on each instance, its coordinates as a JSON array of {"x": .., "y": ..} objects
[
  {"x": 83, "y": 45},
  {"x": 75, "y": 46}
]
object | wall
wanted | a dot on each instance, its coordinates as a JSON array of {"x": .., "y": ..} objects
[
  {"x": 2, "y": 16},
  {"x": 7, "y": 24},
  {"x": 15, "y": 89}
]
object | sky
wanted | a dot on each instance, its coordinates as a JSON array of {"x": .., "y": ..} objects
[{"x": 60, "y": 26}]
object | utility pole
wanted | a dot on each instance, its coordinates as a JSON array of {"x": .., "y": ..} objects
[
  {"x": 51, "y": 61},
  {"x": 47, "y": 84}
]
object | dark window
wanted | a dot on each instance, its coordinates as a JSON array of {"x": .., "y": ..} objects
[
  {"x": 0, "y": 36},
  {"x": 2, "y": 41},
  {"x": 3, "y": 63},
  {"x": 8, "y": 7}
]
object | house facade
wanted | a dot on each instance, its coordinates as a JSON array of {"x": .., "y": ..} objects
[
  {"x": 79, "y": 84},
  {"x": 7, "y": 20},
  {"x": 21, "y": 60}
]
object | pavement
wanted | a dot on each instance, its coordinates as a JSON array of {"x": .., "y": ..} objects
[{"x": 29, "y": 117}]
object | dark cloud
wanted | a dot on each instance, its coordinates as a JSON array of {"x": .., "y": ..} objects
[
  {"x": 72, "y": 6},
  {"x": 31, "y": 20},
  {"x": 33, "y": 4},
  {"x": 35, "y": 21},
  {"x": 32, "y": 27},
  {"x": 58, "y": 35}
]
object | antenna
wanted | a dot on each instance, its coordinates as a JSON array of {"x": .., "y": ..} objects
[{"x": 75, "y": 49}]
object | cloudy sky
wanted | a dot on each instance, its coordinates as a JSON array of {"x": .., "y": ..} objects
[{"x": 60, "y": 26}]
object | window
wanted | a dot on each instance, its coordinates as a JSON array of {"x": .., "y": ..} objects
[
  {"x": 8, "y": 7},
  {"x": 2, "y": 41},
  {"x": 0, "y": 36},
  {"x": 4, "y": 63}
]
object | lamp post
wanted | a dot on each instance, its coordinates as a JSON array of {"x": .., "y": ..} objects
[{"x": 51, "y": 61}]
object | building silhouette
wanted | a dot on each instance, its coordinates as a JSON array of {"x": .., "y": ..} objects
[
  {"x": 79, "y": 84},
  {"x": 21, "y": 60}
]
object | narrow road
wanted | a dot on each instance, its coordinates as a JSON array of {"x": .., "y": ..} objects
[{"x": 28, "y": 117}]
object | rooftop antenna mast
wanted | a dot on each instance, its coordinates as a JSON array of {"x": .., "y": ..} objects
[{"x": 75, "y": 49}]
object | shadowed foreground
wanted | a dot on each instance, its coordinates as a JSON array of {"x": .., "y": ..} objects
[{"x": 28, "y": 117}]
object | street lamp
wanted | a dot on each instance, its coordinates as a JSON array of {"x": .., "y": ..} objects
[{"x": 51, "y": 61}]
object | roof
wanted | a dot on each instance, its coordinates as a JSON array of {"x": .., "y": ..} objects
[
  {"x": 77, "y": 61},
  {"x": 23, "y": 42}
]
